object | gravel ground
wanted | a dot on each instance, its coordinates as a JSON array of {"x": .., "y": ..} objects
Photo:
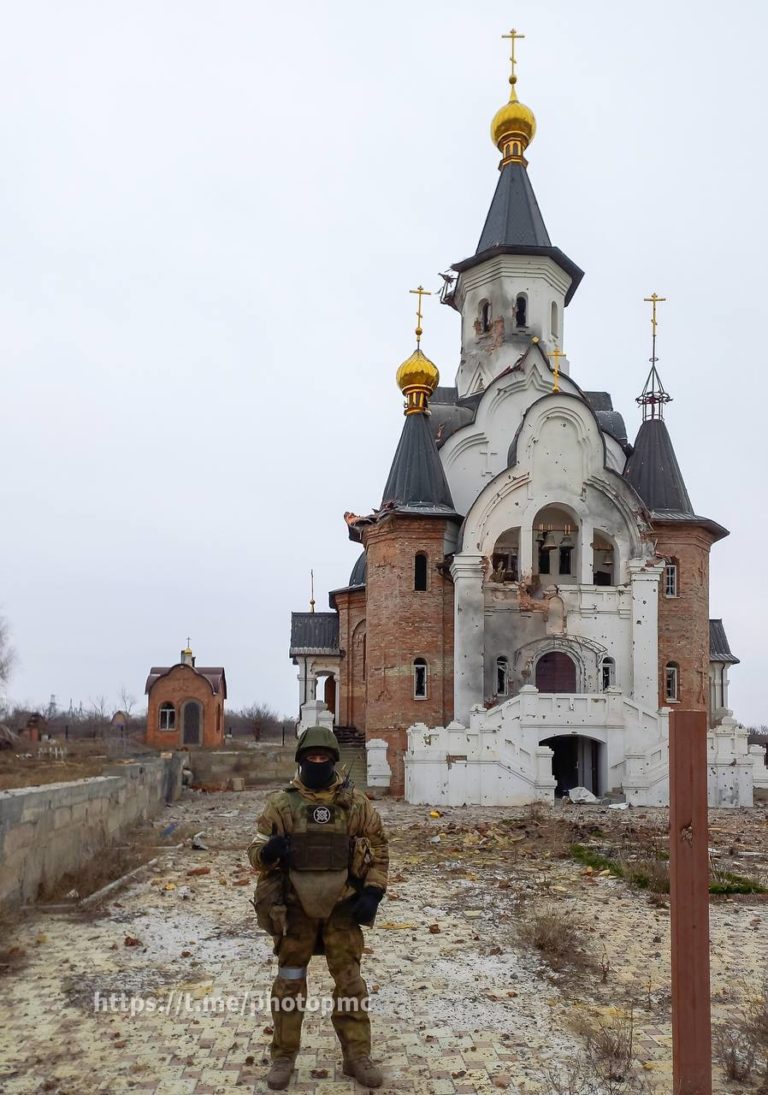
[{"x": 460, "y": 1003}]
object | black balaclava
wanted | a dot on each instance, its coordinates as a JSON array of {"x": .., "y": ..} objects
[{"x": 313, "y": 774}]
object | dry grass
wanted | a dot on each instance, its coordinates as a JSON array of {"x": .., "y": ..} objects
[
  {"x": 734, "y": 1052},
  {"x": 608, "y": 1064},
  {"x": 106, "y": 866},
  {"x": 557, "y": 936},
  {"x": 33, "y": 767}
]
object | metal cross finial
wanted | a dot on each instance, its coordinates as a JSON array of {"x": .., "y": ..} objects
[
  {"x": 513, "y": 36},
  {"x": 187, "y": 642},
  {"x": 653, "y": 300},
  {"x": 420, "y": 292},
  {"x": 557, "y": 353},
  {"x": 312, "y": 589}
]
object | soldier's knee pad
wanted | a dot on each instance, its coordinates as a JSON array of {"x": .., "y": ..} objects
[{"x": 290, "y": 981}]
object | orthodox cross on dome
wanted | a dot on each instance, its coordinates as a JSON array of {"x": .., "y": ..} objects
[
  {"x": 557, "y": 354},
  {"x": 513, "y": 36},
  {"x": 653, "y": 396},
  {"x": 420, "y": 292}
]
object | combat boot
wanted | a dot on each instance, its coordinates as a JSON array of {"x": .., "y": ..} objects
[
  {"x": 364, "y": 1071},
  {"x": 280, "y": 1074}
]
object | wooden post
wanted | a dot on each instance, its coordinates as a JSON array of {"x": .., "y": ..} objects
[{"x": 689, "y": 904}]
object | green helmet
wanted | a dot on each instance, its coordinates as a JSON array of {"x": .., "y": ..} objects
[{"x": 318, "y": 737}]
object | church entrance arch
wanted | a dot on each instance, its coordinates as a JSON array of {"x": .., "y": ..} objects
[
  {"x": 556, "y": 672},
  {"x": 191, "y": 718},
  {"x": 576, "y": 763}
]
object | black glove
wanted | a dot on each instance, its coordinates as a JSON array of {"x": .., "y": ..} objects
[
  {"x": 364, "y": 908},
  {"x": 275, "y": 848}
]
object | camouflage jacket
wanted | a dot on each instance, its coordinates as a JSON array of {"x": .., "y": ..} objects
[{"x": 363, "y": 821}]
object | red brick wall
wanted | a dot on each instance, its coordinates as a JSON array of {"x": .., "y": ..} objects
[
  {"x": 350, "y": 702},
  {"x": 684, "y": 620},
  {"x": 401, "y": 625},
  {"x": 180, "y": 684}
]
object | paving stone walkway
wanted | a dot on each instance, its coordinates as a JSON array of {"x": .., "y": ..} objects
[{"x": 163, "y": 990}]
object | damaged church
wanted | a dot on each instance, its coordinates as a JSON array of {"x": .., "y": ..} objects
[{"x": 531, "y": 600}]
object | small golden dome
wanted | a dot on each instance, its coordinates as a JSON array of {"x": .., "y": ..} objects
[
  {"x": 418, "y": 372},
  {"x": 513, "y": 128}
]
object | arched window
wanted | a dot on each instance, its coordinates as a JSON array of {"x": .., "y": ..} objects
[
  {"x": 167, "y": 715},
  {"x": 420, "y": 572},
  {"x": 485, "y": 316},
  {"x": 672, "y": 682},
  {"x": 671, "y": 578},
  {"x": 502, "y": 676},
  {"x": 553, "y": 321},
  {"x": 521, "y": 310},
  {"x": 608, "y": 673},
  {"x": 419, "y": 679}
]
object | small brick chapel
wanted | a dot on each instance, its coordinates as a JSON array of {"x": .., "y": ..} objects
[{"x": 185, "y": 704}]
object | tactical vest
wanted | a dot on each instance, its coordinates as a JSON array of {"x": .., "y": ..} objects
[{"x": 320, "y": 853}]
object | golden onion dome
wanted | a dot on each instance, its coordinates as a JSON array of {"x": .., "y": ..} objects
[
  {"x": 417, "y": 379},
  {"x": 513, "y": 127},
  {"x": 418, "y": 371}
]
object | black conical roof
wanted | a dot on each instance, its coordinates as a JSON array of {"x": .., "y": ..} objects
[
  {"x": 515, "y": 226},
  {"x": 654, "y": 472},
  {"x": 514, "y": 217},
  {"x": 416, "y": 479}
]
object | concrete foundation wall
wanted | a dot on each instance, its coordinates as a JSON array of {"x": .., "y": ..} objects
[
  {"x": 264, "y": 763},
  {"x": 48, "y": 831}
]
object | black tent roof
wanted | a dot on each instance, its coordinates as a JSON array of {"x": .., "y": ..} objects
[
  {"x": 654, "y": 472},
  {"x": 416, "y": 479}
]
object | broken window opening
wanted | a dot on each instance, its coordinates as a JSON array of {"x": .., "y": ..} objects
[
  {"x": 672, "y": 681},
  {"x": 419, "y": 679},
  {"x": 543, "y": 561},
  {"x": 521, "y": 310},
  {"x": 502, "y": 676},
  {"x": 608, "y": 671},
  {"x": 670, "y": 580},
  {"x": 485, "y": 316},
  {"x": 167, "y": 716},
  {"x": 553, "y": 321},
  {"x": 420, "y": 572}
]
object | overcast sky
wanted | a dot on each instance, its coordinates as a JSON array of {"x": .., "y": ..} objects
[{"x": 211, "y": 215}]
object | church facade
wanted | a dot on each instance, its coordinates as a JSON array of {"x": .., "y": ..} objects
[{"x": 531, "y": 600}]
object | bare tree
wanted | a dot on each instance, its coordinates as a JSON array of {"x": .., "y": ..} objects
[
  {"x": 7, "y": 653},
  {"x": 127, "y": 701}
]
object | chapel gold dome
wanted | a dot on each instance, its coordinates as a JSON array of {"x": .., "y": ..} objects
[
  {"x": 513, "y": 120},
  {"x": 418, "y": 371}
]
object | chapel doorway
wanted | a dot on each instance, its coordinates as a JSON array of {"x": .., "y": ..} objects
[
  {"x": 576, "y": 763},
  {"x": 556, "y": 672},
  {"x": 192, "y": 722}
]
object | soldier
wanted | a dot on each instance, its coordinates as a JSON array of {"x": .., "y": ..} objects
[{"x": 322, "y": 856}]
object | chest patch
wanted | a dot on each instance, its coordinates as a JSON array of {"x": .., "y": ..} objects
[{"x": 322, "y": 815}]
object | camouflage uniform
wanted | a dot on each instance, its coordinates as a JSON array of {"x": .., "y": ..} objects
[{"x": 319, "y": 921}]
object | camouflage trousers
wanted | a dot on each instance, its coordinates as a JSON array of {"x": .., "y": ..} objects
[{"x": 342, "y": 941}]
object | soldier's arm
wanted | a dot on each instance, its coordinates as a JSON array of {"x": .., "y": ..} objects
[
  {"x": 374, "y": 830},
  {"x": 269, "y": 824}
]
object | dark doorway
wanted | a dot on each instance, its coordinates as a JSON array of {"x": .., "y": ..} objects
[
  {"x": 556, "y": 672},
  {"x": 192, "y": 723},
  {"x": 329, "y": 694},
  {"x": 575, "y": 763}
]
